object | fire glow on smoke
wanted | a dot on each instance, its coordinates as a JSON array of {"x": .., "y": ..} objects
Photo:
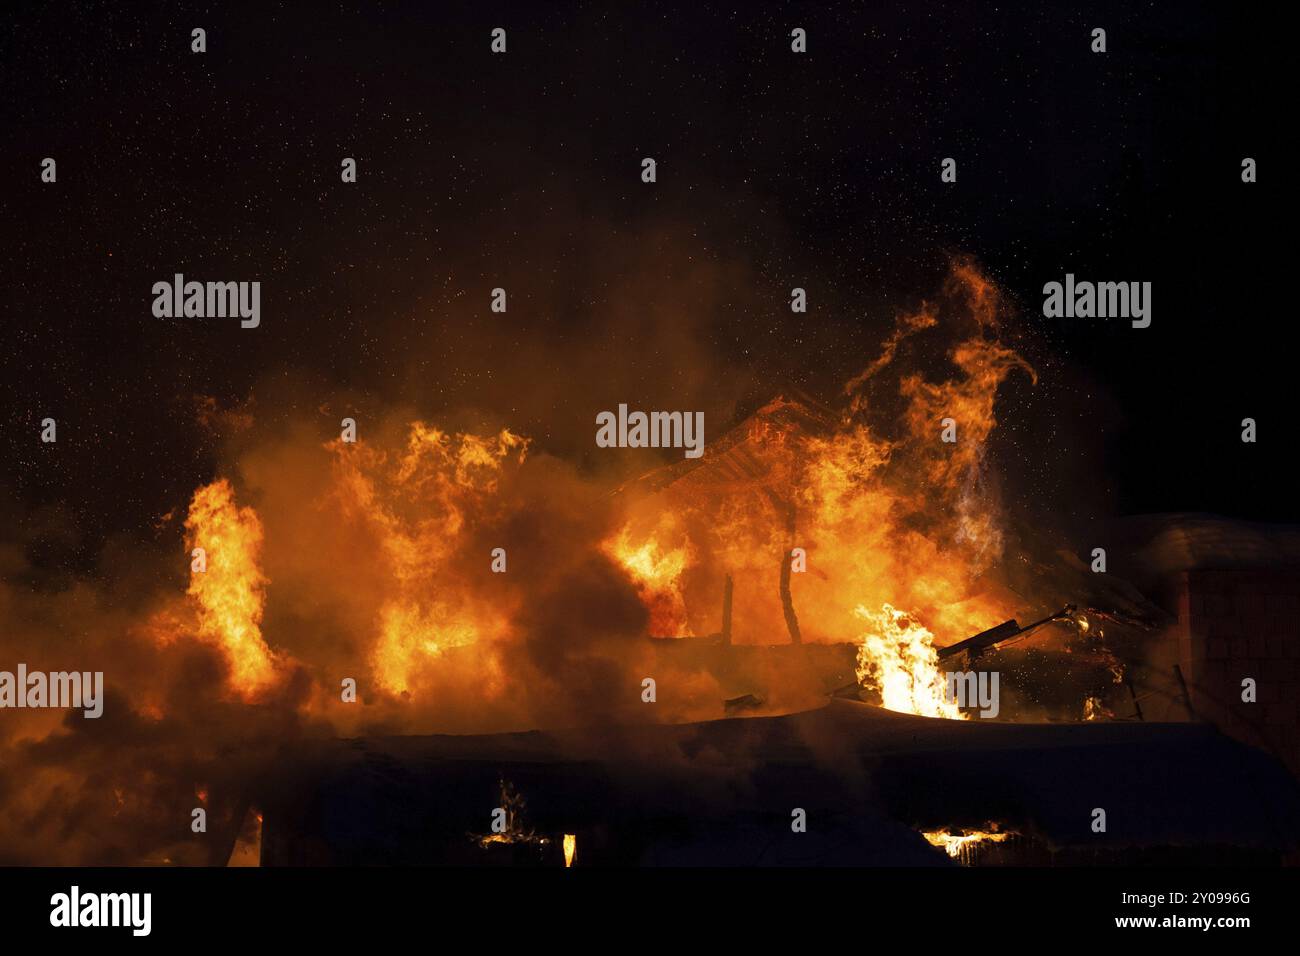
[
  {"x": 327, "y": 561},
  {"x": 898, "y": 529}
]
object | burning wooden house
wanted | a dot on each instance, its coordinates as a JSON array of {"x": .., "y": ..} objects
[
  {"x": 840, "y": 783},
  {"x": 793, "y": 561}
]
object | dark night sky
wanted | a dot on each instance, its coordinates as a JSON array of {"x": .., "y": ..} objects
[{"x": 522, "y": 171}]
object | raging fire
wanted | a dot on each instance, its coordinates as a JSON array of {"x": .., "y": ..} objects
[
  {"x": 898, "y": 527},
  {"x": 890, "y": 502},
  {"x": 381, "y": 552}
]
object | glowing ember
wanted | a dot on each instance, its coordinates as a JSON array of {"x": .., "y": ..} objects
[
  {"x": 514, "y": 829},
  {"x": 1094, "y": 709},
  {"x": 898, "y": 658},
  {"x": 959, "y": 844},
  {"x": 230, "y": 592}
]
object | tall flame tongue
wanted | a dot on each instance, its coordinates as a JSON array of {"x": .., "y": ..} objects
[
  {"x": 923, "y": 507},
  {"x": 891, "y": 505},
  {"x": 230, "y": 593}
]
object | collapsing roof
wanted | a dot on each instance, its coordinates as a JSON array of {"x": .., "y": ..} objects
[{"x": 736, "y": 513}]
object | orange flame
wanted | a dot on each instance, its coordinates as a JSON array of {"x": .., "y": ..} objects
[
  {"x": 960, "y": 844},
  {"x": 418, "y": 504},
  {"x": 888, "y": 513},
  {"x": 656, "y": 571},
  {"x": 515, "y": 831},
  {"x": 898, "y": 658},
  {"x": 230, "y": 593},
  {"x": 410, "y": 633}
]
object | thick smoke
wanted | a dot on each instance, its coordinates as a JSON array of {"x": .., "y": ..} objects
[{"x": 372, "y": 562}]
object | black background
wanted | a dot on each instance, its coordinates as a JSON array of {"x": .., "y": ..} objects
[
  {"x": 649, "y": 906},
  {"x": 523, "y": 170}
]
